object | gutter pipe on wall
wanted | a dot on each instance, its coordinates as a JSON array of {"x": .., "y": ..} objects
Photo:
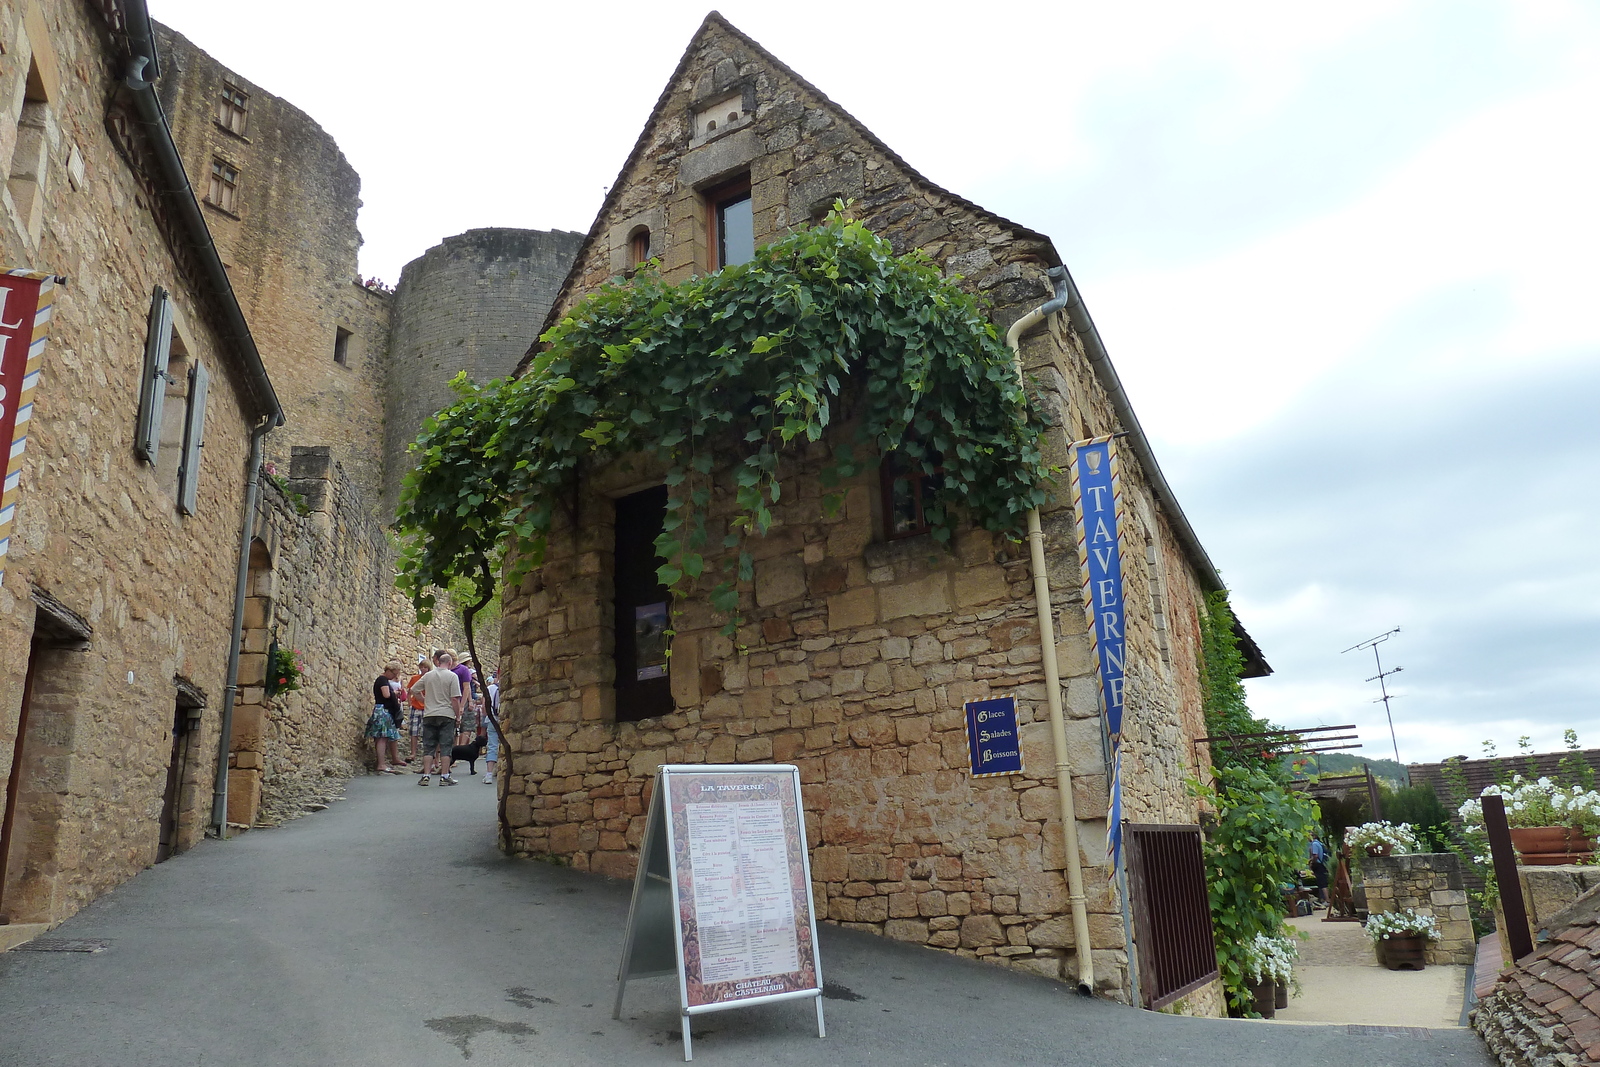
[
  {"x": 252, "y": 485},
  {"x": 1052, "y": 672}
]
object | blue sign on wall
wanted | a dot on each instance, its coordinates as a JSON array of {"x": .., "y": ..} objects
[{"x": 993, "y": 740}]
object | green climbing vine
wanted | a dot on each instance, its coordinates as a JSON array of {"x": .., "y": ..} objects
[
  {"x": 715, "y": 377},
  {"x": 1258, "y": 842}
]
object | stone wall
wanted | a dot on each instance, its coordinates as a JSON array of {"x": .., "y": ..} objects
[
  {"x": 857, "y": 653},
  {"x": 96, "y": 528},
  {"x": 1428, "y": 883},
  {"x": 471, "y": 303},
  {"x": 290, "y": 243},
  {"x": 320, "y": 586}
]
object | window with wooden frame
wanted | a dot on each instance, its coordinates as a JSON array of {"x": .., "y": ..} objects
[
  {"x": 224, "y": 190},
  {"x": 231, "y": 108},
  {"x": 907, "y": 493},
  {"x": 639, "y": 246},
  {"x": 643, "y": 608},
  {"x": 731, "y": 236}
]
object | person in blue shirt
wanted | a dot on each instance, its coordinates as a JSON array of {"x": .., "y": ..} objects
[{"x": 1319, "y": 867}]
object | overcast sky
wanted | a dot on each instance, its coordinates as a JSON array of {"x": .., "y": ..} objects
[{"x": 1344, "y": 258}]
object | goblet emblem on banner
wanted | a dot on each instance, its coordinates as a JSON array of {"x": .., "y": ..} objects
[{"x": 1094, "y": 461}]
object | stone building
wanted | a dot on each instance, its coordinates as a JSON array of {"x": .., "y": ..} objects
[
  {"x": 512, "y": 275},
  {"x": 138, "y": 166},
  {"x": 281, "y": 201},
  {"x": 860, "y": 647},
  {"x": 115, "y": 611}
]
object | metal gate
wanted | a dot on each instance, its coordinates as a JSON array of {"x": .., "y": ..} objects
[{"x": 1171, "y": 911}]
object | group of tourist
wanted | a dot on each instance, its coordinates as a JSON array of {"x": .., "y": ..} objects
[{"x": 445, "y": 708}]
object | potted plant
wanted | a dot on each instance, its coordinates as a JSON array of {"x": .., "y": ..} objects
[
  {"x": 1401, "y": 938},
  {"x": 1269, "y": 964},
  {"x": 284, "y": 669},
  {"x": 1382, "y": 838},
  {"x": 1550, "y": 823}
]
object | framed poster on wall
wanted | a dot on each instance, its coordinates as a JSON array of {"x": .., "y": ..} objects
[{"x": 725, "y": 880}]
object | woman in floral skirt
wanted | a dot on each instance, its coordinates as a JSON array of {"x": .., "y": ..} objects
[{"x": 383, "y": 724}]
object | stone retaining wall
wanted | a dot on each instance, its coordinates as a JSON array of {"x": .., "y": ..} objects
[{"x": 1428, "y": 883}]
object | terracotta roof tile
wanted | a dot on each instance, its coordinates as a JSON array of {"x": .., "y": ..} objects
[
  {"x": 1573, "y": 982},
  {"x": 1560, "y": 1005}
]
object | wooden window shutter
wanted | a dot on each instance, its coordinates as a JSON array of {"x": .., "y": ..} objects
[
  {"x": 153, "y": 387},
  {"x": 194, "y": 424}
]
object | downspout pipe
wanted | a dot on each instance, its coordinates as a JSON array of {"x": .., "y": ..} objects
[
  {"x": 1052, "y": 671},
  {"x": 252, "y": 486}
]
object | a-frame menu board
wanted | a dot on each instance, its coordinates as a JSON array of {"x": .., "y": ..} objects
[{"x": 723, "y": 893}]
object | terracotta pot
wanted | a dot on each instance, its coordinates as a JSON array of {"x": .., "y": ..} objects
[
  {"x": 1403, "y": 953},
  {"x": 1547, "y": 846},
  {"x": 1379, "y": 850},
  {"x": 1281, "y": 997},
  {"x": 1266, "y": 995}
]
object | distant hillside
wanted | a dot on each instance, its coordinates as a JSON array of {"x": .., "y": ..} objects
[{"x": 1344, "y": 763}]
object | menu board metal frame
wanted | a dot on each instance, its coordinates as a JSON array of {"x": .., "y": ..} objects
[{"x": 666, "y": 907}]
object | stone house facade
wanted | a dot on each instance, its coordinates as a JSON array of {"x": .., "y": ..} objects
[
  {"x": 116, "y": 606},
  {"x": 358, "y": 367},
  {"x": 118, "y": 593},
  {"x": 859, "y": 648}
]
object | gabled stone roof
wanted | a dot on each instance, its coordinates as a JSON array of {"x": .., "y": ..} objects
[
  {"x": 715, "y": 22},
  {"x": 1546, "y": 1010}
]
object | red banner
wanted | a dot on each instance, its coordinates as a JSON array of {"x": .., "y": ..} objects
[{"x": 25, "y": 305}]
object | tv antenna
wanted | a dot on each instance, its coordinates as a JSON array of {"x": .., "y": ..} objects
[{"x": 1373, "y": 643}]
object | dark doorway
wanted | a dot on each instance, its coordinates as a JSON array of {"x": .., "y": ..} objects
[
  {"x": 8, "y": 824},
  {"x": 643, "y": 608},
  {"x": 177, "y": 769}
]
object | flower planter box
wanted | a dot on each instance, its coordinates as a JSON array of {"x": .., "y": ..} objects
[
  {"x": 1403, "y": 953},
  {"x": 1280, "y": 997},
  {"x": 1379, "y": 850},
  {"x": 1549, "y": 846},
  {"x": 1266, "y": 994}
]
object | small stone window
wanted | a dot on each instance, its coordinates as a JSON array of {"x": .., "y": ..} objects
[
  {"x": 224, "y": 190},
  {"x": 231, "y": 109},
  {"x": 341, "y": 346},
  {"x": 732, "y": 237},
  {"x": 28, "y": 175},
  {"x": 639, "y": 246},
  {"x": 907, "y": 492}
]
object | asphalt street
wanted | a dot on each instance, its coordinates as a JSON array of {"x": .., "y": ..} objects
[{"x": 388, "y": 930}]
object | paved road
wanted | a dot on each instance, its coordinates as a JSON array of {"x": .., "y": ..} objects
[{"x": 388, "y": 931}]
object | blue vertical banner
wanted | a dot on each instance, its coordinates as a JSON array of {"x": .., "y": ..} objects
[{"x": 1097, "y": 499}]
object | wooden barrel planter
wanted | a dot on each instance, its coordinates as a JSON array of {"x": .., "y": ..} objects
[
  {"x": 1266, "y": 994},
  {"x": 1403, "y": 953},
  {"x": 1550, "y": 846},
  {"x": 1379, "y": 850},
  {"x": 1280, "y": 997}
]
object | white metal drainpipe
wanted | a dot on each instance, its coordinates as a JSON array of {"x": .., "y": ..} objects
[{"x": 1052, "y": 672}]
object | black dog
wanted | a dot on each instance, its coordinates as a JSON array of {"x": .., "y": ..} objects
[{"x": 471, "y": 753}]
